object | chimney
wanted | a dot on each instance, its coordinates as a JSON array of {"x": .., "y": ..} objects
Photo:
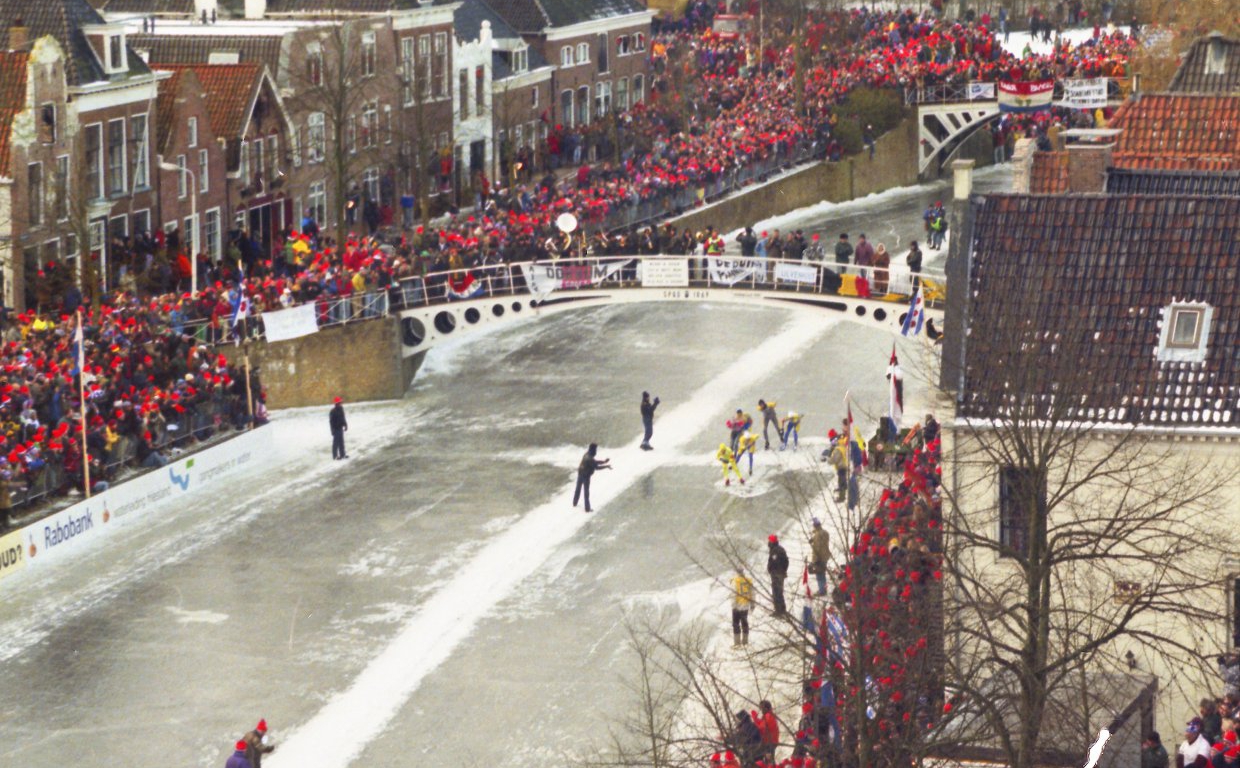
[
  {"x": 19, "y": 36},
  {"x": 205, "y": 9},
  {"x": 1022, "y": 164},
  {"x": 962, "y": 179},
  {"x": 255, "y": 9}
]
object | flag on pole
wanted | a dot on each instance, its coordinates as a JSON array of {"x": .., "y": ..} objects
[
  {"x": 241, "y": 308},
  {"x": 848, "y": 428},
  {"x": 895, "y": 405},
  {"x": 916, "y": 316},
  {"x": 80, "y": 345}
]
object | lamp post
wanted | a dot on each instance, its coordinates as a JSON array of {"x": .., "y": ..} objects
[{"x": 193, "y": 217}]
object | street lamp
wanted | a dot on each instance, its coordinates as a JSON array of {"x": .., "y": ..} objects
[{"x": 193, "y": 217}]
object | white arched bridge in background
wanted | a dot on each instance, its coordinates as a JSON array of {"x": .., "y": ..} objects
[{"x": 446, "y": 305}]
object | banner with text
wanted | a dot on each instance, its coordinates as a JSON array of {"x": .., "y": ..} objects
[
  {"x": 545, "y": 278},
  {"x": 981, "y": 91},
  {"x": 12, "y": 554},
  {"x": 290, "y": 323},
  {"x": 665, "y": 273},
  {"x": 1089, "y": 93},
  {"x": 726, "y": 271},
  {"x": 1026, "y": 97},
  {"x": 796, "y": 273}
]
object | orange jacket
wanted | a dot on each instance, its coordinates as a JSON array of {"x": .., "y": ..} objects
[{"x": 769, "y": 727}]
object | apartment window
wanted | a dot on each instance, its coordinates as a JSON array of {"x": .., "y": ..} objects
[
  {"x": 622, "y": 94},
  {"x": 260, "y": 163},
  {"x": 142, "y": 221},
  {"x": 193, "y": 132},
  {"x": 316, "y": 202},
  {"x": 583, "y": 53},
  {"x": 639, "y": 42},
  {"x": 182, "y": 177},
  {"x": 211, "y": 234},
  {"x": 534, "y": 96},
  {"x": 244, "y": 164},
  {"x": 639, "y": 85},
  {"x": 463, "y": 90},
  {"x": 314, "y": 65},
  {"x": 368, "y": 54},
  {"x": 62, "y": 187},
  {"x": 408, "y": 70},
  {"x": 583, "y": 105},
  {"x": 566, "y": 56},
  {"x": 388, "y": 132},
  {"x": 47, "y": 123},
  {"x": 622, "y": 45},
  {"x": 603, "y": 63},
  {"x": 273, "y": 156},
  {"x": 521, "y": 60},
  {"x": 424, "y": 57},
  {"x": 139, "y": 139},
  {"x": 441, "y": 73},
  {"x": 316, "y": 141},
  {"x": 566, "y": 107},
  {"x": 116, "y": 157},
  {"x": 34, "y": 190},
  {"x": 191, "y": 235},
  {"x": 370, "y": 124},
  {"x": 1019, "y": 491},
  {"x": 602, "y": 98},
  {"x": 480, "y": 90},
  {"x": 94, "y": 160},
  {"x": 370, "y": 183},
  {"x": 204, "y": 171}
]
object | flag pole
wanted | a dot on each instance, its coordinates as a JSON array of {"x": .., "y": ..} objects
[{"x": 81, "y": 355}]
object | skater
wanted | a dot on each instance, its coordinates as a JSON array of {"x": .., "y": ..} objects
[
  {"x": 748, "y": 444},
  {"x": 339, "y": 425},
  {"x": 742, "y": 598},
  {"x": 790, "y": 427},
  {"x": 839, "y": 461},
  {"x": 256, "y": 744},
  {"x": 769, "y": 417},
  {"x": 738, "y": 425},
  {"x": 585, "y": 470},
  {"x": 725, "y": 457},
  {"x": 648, "y": 407},
  {"x": 777, "y": 567},
  {"x": 819, "y": 545},
  {"x": 238, "y": 759}
]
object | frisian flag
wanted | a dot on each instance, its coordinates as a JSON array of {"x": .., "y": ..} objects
[
  {"x": 1026, "y": 96},
  {"x": 895, "y": 405},
  {"x": 916, "y": 316}
]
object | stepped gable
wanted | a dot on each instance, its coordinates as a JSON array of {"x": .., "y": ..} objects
[
  {"x": 1178, "y": 132},
  {"x": 1211, "y": 65},
  {"x": 1078, "y": 284}
]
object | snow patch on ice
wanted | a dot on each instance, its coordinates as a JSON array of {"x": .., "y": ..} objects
[
  {"x": 184, "y": 616},
  {"x": 373, "y": 563},
  {"x": 692, "y": 600},
  {"x": 497, "y": 524}
]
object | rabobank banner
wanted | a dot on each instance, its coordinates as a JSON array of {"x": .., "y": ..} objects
[{"x": 72, "y": 529}]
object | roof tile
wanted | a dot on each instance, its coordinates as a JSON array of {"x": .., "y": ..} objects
[
  {"x": 1212, "y": 65},
  {"x": 1178, "y": 131},
  {"x": 227, "y": 89}
]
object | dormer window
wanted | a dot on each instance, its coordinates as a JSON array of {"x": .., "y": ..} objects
[
  {"x": 521, "y": 59},
  {"x": 1185, "y": 333},
  {"x": 1216, "y": 58},
  {"x": 116, "y": 54}
]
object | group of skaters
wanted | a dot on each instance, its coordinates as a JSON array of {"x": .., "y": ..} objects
[
  {"x": 249, "y": 750},
  {"x": 743, "y": 442}
]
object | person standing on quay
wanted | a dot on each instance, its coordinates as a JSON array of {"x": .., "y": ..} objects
[
  {"x": 648, "y": 407},
  {"x": 339, "y": 425}
]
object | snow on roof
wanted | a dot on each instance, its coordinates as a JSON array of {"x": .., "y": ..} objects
[{"x": 260, "y": 28}]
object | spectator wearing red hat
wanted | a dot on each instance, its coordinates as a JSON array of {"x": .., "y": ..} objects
[
  {"x": 339, "y": 425},
  {"x": 257, "y": 744},
  {"x": 238, "y": 759},
  {"x": 777, "y": 567}
]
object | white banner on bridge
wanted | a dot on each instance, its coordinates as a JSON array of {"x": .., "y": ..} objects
[
  {"x": 1088, "y": 93},
  {"x": 796, "y": 273},
  {"x": 545, "y": 278},
  {"x": 731, "y": 271},
  {"x": 664, "y": 273},
  {"x": 290, "y": 323},
  {"x": 981, "y": 91}
]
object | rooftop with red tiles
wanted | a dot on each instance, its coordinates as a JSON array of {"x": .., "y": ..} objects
[{"x": 1178, "y": 131}]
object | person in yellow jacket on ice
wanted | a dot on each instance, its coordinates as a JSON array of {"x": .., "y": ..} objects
[
  {"x": 748, "y": 444},
  {"x": 790, "y": 427},
  {"x": 742, "y": 599},
  {"x": 725, "y": 457}
]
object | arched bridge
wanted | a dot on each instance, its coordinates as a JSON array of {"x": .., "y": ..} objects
[
  {"x": 949, "y": 113},
  {"x": 448, "y": 304}
]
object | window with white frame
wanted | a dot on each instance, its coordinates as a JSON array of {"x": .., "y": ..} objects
[
  {"x": 639, "y": 42},
  {"x": 142, "y": 221},
  {"x": 116, "y": 157},
  {"x": 182, "y": 178},
  {"x": 441, "y": 64},
  {"x": 1185, "y": 333},
  {"x": 370, "y": 182},
  {"x": 388, "y": 131},
  {"x": 583, "y": 53},
  {"x": 34, "y": 194},
  {"x": 368, "y": 54},
  {"x": 314, "y": 63},
  {"x": 244, "y": 165},
  {"x": 138, "y": 136},
  {"x": 204, "y": 171},
  {"x": 639, "y": 95},
  {"x": 211, "y": 234},
  {"x": 316, "y": 202},
  {"x": 191, "y": 235},
  {"x": 602, "y": 98},
  {"x": 622, "y": 45},
  {"x": 534, "y": 96},
  {"x": 316, "y": 140},
  {"x": 408, "y": 71},
  {"x": 94, "y": 160},
  {"x": 370, "y": 123},
  {"x": 521, "y": 59},
  {"x": 62, "y": 188},
  {"x": 115, "y": 61},
  {"x": 260, "y": 162},
  {"x": 192, "y": 133},
  {"x": 622, "y": 94},
  {"x": 273, "y": 155},
  {"x": 566, "y": 56}
]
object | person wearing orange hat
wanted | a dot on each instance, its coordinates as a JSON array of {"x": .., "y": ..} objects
[
  {"x": 257, "y": 744},
  {"x": 339, "y": 425},
  {"x": 238, "y": 759}
]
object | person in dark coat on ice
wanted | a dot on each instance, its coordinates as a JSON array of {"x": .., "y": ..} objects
[
  {"x": 238, "y": 759},
  {"x": 777, "y": 567},
  {"x": 339, "y": 425},
  {"x": 585, "y": 470},
  {"x": 648, "y": 407}
]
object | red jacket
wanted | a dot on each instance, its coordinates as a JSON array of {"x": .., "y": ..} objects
[{"x": 769, "y": 727}]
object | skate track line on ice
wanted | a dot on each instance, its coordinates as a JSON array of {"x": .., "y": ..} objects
[{"x": 364, "y": 710}]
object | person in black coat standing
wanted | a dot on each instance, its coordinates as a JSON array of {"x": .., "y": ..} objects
[
  {"x": 648, "y": 407},
  {"x": 339, "y": 425},
  {"x": 777, "y": 567},
  {"x": 585, "y": 470}
]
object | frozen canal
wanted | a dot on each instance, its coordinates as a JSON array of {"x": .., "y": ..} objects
[{"x": 435, "y": 600}]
